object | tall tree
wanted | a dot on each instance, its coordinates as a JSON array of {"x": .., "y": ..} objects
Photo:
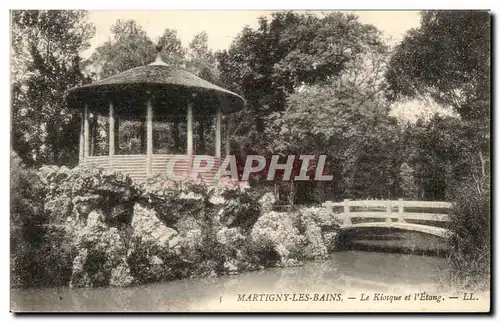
[
  {"x": 45, "y": 47},
  {"x": 129, "y": 47},
  {"x": 172, "y": 50},
  {"x": 290, "y": 50},
  {"x": 448, "y": 58},
  {"x": 347, "y": 119}
]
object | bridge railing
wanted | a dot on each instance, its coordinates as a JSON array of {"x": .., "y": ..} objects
[{"x": 390, "y": 210}]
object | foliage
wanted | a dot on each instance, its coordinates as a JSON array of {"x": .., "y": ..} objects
[
  {"x": 471, "y": 234},
  {"x": 455, "y": 71},
  {"x": 46, "y": 263},
  {"x": 349, "y": 123},
  {"x": 408, "y": 185},
  {"x": 289, "y": 50},
  {"x": 46, "y": 62},
  {"x": 40, "y": 255}
]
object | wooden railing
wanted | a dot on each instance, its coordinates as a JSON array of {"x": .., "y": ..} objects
[{"x": 392, "y": 214}]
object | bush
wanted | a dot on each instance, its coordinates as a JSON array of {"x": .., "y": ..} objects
[
  {"x": 470, "y": 239},
  {"x": 40, "y": 254}
]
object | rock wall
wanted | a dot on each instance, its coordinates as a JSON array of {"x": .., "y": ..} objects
[{"x": 124, "y": 233}]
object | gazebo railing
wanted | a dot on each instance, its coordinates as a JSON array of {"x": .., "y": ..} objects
[{"x": 135, "y": 166}]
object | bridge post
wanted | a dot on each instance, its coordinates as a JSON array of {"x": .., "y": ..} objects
[
  {"x": 389, "y": 210},
  {"x": 347, "y": 218},
  {"x": 401, "y": 210}
]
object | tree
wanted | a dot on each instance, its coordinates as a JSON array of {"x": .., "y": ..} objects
[
  {"x": 45, "y": 49},
  {"x": 407, "y": 178},
  {"x": 201, "y": 60},
  {"x": 448, "y": 59},
  {"x": 268, "y": 64},
  {"x": 172, "y": 51},
  {"x": 347, "y": 119},
  {"x": 454, "y": 70},
  {"x": 129, "y": 47}
]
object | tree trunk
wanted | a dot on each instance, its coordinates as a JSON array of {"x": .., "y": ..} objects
[{"x": 483, "y": 164}]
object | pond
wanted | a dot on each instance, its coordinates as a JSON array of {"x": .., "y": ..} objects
[{"x": 345, "y": 275}]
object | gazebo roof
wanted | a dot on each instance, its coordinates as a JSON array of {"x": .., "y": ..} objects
[{"x": 167, "y": 87}]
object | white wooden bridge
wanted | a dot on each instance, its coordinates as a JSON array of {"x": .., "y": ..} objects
[{"x": 391, "y": 214}]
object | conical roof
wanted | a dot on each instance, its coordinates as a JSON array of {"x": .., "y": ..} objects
[{"x": 165, "y": 85}]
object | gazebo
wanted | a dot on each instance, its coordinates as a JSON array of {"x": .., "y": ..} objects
[{"x": 150, "y": 94}]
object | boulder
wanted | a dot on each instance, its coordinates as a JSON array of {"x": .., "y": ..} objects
[
  {"x": 101, "y": 252},
  {"x": 267, "y": 201},
  {"x": 120, "y": 275},
  {"x": 276, "y": 230},
  {"x": 147, "y": 226}
]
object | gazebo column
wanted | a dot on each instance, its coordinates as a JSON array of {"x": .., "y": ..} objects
[
  {"x": 117, "y": 133},
  {"x": 111, "y": 134},
  {"x": 93, "y": 134},
  {"x": 190, "y": 130},
  {"x": 81, "y": 146},
  {"x": 149, "y": 149},
  {"x": 86, "y": 131},
  {"x": 218, "y": 132},
  {"x": 228, "y": 142}
]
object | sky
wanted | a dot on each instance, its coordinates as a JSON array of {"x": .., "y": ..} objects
[{"x": 222, "y": 26}]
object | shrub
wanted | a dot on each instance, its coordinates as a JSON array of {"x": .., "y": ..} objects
[
  {"x": 470, "y": 239},
  {"x": 40, "y": 254}
]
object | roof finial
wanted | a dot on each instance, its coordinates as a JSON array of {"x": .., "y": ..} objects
[{"x": 159, "y": 60}]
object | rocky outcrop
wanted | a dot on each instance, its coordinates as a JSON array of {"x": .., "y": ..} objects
[
  {"x": 267, "y": 202},
  {"x": 275, "y": 231},
  {"x": 320, "y": 227},
  {"x": 146, "y": 225},
  {"x": 101, "y": 259}
]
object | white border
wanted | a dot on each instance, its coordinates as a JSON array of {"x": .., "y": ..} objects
[{"x": 214, "y": 4}]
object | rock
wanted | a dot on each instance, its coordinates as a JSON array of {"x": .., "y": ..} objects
[
  {"x": 174, "y": 242},
  {"x": 187, "y": 223},
  {"x": 101, "y": 254},
  {"x": 230, "y": 236},
  {"x": 155, "y": 260},
  {"x": 95, "y": 218},
  {"x": 83, "y": 205},
  {"x": 79, "y": 277},
  {"x": 120, "y": 275},
  {"x": 292, "y": 262},
  {"x": 190, "y": 195},
  {"x": 316, "y": 248},
  {"x": 329, "y": 240},
  {"x": 230, "y": 268},
  {"x": 322, "y": 217},
  {"x": 276, "y": 230},
  {"x": 267, "y": 201},
  {"x": 147, "y": 226}
]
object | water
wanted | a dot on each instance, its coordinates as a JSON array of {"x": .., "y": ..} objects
[{"x": 347, "y": 273}]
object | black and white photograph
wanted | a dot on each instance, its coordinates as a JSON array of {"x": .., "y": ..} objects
[{"x": 250, "y": 161}]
